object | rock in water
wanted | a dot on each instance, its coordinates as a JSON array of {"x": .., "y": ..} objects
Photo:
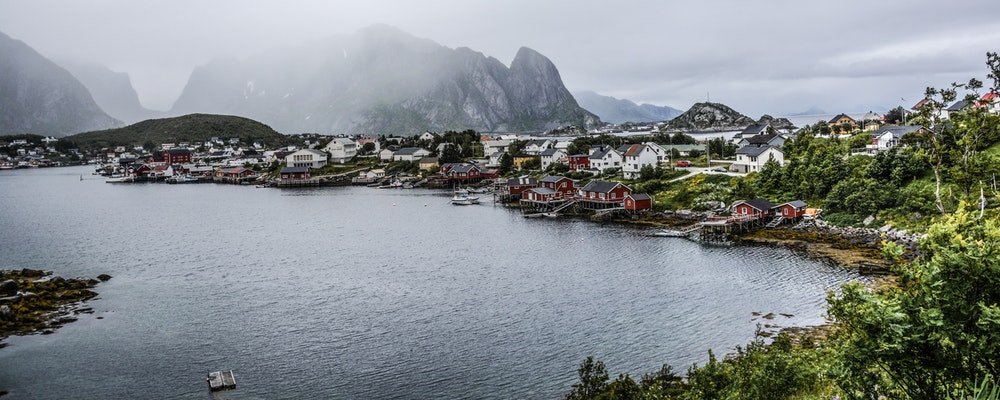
[
  {"x": 8, "y": 287},
  {"x": 104, "y": 277}
]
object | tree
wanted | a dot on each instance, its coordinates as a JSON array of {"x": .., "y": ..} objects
[
  {"x": 506, "y": 163},
  {"x": 647, "y": 173},
  {"x": 593, "y": 380},
  {"x": 450, "y": 154},
  {"x": 532, "y": 164},
  {"x": 367, "y": 148},
  {"x": 895, "y": 116}
]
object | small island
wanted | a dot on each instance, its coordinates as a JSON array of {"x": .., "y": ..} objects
[{"x": 36, "y": 301}]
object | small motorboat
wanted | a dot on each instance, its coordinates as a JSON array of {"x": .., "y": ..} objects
[{"x": 464, "y": 200}]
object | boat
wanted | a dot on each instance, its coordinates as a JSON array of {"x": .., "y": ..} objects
[
  {"x": 464, "y": 200},
  {"x": 220, "y": 380},
  {"x": 181, "y": 179},
  {"x": 120, "y": 179}
]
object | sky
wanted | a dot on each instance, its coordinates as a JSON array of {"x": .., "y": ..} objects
[{"x": 776, "y": 57}]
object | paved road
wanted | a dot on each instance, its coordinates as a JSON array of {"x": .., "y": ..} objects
[{"x": 701, "y": 170}]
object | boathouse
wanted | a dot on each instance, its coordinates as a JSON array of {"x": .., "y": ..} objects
[
  {"x": 295, "y": 173},
  {"x": 463, "y": 173},
  {"x": 603, "y": 194},
  {"x": 561, "y": 184},
  {"x": 516, "y": 186},
  {"x": 792, "y": 209},
  {"x": 754, "y": 207},
  {"x": 541, "y": 195},
  {"x": 235, "y": 173},
  {"x": 638, "y": 202}
]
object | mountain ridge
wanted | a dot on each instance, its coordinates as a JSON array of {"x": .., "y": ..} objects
[
  {"x": 707, "y": 115},
  {"x": 614, "y": 110}
]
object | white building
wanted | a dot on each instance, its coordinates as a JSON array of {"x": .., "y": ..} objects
[
  {"x": 536, "y": 147},
  {"x": 552, "y": 156},
  {"x": 603, "y": 157},
  {"x": 495, "y": 146},
  {"x": 427, "y": 136},
  {"x": 385, "y": 155},
  {"x": 639, "y": 156},
  {"x": 307, "y": 158},
  {"x": 889, "y": 136},
  {"x": 341, "y": 150},
  {"x": 752, "y": 158},
  {"x": 409, "y": 154}
]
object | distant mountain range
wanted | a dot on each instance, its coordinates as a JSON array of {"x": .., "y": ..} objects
[
  {"x": 382, "y": 80},
  {"x": 186, "y": 128},
  {"x": 710, "y": 116},
  {"x": 112, "y": 91},
  {"x": 617, "y": 111},
  {"x": 37, "y": 96}
]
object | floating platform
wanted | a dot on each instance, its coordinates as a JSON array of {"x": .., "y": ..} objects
[{"x": 221, "y": 380}]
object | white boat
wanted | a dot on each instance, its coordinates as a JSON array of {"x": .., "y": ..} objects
[
  {"x": 464, "y": 200},
  {"x": 120, "y": 179},
  {"x": 181, "y": 179}
]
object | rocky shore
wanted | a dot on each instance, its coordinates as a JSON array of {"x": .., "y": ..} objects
[{"x": 35, "y": 301}]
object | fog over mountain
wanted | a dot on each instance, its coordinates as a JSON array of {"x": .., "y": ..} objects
[
  {"x": 37, "y": 96},
  {"x": 617, "y": 111},
  {"x": 384, "y": 80},
  {"x": 112, "y": 91}
]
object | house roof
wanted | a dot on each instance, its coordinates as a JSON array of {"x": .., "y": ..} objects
[
  {"x": 294, "y": 170},
  {"x": 522, "y": 181},
  {"x": 536, "y": 142},
  {"x": 795, "y": 203},
  {"x": 840, "y": 116},
  {"x": 623, "y": 148},
  {"x": 407, "y": 151},
  {"x": 313, "y": 151},
  {"x": 463, "y": 168},
  {"x": 601, "y": 153},
  {"x": 754, "y": 151},
  {"x": 542, "y": 190},
  {"x": 635, "y": 149},
  {"x": 898, "y": 131},
  {"x": 920, "y": 104},
  {"x": 640, "y": 196},
  {"x": 760, "y": 204},
  {"x": 755, "y": 129},
  {"x": 601, "y": 186},
  {"x": 761, "y": 139},
  {"x": 958, "y": 106},
  {"x": 235, "y": 170},
  {"x": 551, "y": 152},
  {"x": 552, "y": 178}
]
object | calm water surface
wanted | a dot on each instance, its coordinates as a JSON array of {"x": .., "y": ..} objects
[{"x": 358, "y": 293}]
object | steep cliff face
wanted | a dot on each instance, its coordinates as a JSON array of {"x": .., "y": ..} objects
[
  {"x": 382, "y": 80},
  {"x": 710, "y": 116},
  {"x": 617, "y": 111},
  {"x": 37, "y": 96},
  {"x": 112, "y": 91}
]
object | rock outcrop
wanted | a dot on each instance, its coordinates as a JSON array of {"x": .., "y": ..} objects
[{"x": 710, "y": 116}]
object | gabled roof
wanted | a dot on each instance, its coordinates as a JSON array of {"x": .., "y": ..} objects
[
  {"x": 897, "y": 131},
  {"x": 639, "y": 196},
  {"x": 552, "y": 178},
  {"x": 755, "y": 129},
  {"x": 294, "y": 170},
  {"x": 839, "y": 116},
  {"x": 623, "y": 148},
  {"x": 537, "y": 142},
  {"x": 920, "y": 104},
  {"x": 178, "y": 151},
  {"x": 601, "y": 153},
  {"x": 634, "y": 150},
  {"x": 463, "y": 168},
  {"x": 794, "y": 203},
  {"x": 407, "y": 151},
  {"x": 522, "y": 181},
  {"x": 601, "y": 186},
  {"x": 958, "y": 106},
  {"x": 542, "y": 190},
  {"x": 754, "y": 151},
  {"x": 760, "y": 204},
  {"x": 551, "y": 152},
  {"x": 761, "y": 139}
]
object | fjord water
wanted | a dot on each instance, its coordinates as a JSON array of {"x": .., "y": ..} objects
[{"x": 361, "y": 293}]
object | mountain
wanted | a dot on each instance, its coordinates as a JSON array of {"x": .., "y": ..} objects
[
  {"x": 382, "y": 80},
  {"x": 193, "y": 127},
  {"x": 811, "y": 111},
  {"x": 710, "y": 116},
  {"x": 112, "y": 91},
  {"x": 617, "y": 111},
  {"x": 37, "y": 96},
  {"x": 777, "y": 123}
]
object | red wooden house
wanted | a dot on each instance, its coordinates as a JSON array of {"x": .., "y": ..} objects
[
  {"x": 541, "y": 195},
  {"x": 578, "y": 162},
  {"x": 604, "y": 192},
  {"x": 463, "y": 172},
  {"x": 235, "y": 173},
  {"x": 638, "y": 202},
  {"x": 294, "y": 173},
  {"x": 754, "y": 207},
  {"x": 177, "y": 156},
  {"x": 560, "y": 184},
  {"x": 792, "y": 209},
  {"x": 516, "y": 186}
]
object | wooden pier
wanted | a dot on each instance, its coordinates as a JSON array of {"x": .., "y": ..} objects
[{"x": 220, "y": 380}]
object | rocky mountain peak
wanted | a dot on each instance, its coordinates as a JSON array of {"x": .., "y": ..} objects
[{"x": 707, "y": 115}]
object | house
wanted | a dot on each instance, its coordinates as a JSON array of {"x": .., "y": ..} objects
[
  {"x": 752, "y": 158},
  {"x": 516, "y": 186},
  {"x": 177, "y": 156},
  {"x": 579, "y": 162},
  {"x": 870, "y": 121},
  {"x": 495, "y": 146},
  {"x": 639, "y": 156},
  {"x": 235, "y": 173},
  {"x": 552, "y": 156},
  {"x": 768, "y": 139},
  {"x": 842, "y": 119},
  {"x": 604, "y": 192},
  {"x": 374, "y": 174},
  {"x": 638, "y": 202},
  {"x": 294, "y": 173},
  {"x": 410, "y": 154},
  {"x": 791, "y": 209},
  {"x": 429, "y": 164},
  {"x": 753, "y": 207},
  {"x": 991, "y": 101},
  {"x": 341, "y": 150},
  {"x": 427, "y": 136},
  {"x": 921, "y": 104},
  {"x": 385, "y": 154},
  {"x": 463, "y": 172},
  {"x": 753, "y": 130},
  {"x": 520, "y": 159},
  {"x": 536, "y": 147},
  {"x": 560, "y": 184},
  {"x": 604, "y": 157},
  {"x": 307, "y": 158},
  {"x": 541, "y": 195},
  {"x": 494, "y": 159},
  {"x": 890, "y": 136}
]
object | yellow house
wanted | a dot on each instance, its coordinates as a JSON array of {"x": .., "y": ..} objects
[
  {"x": 429, "y": 164},
  {"x": 842, "y": 119},
  {"x": 519, "y": 160}
]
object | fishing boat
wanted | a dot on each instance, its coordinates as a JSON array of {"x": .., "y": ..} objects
[
  {"x": 120, "y": 179},
  {"x": 464, "y": 200},
  {"x": 181, "y": 179}
]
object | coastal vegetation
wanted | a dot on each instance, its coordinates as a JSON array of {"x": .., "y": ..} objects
[
  {"x": 34, "y": 300},
  {"x": 187, "y": 128}
]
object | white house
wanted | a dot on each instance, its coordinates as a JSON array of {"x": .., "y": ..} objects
[
  {"x": 603, "y": 157},
  {"x": 341, "y": 150},
  {"x": 307, "y": 158},
  {"x": 639, "y": 156},
  {"x": 752, "y": 158},
  {"x": 495, "y": 159},
  {"x": 385, "y": 154},
  {"x": 552, "y": 156},
  {"x": 494, "y": 146},
  {"x": 889, "y": 136},
  {"x": 767, "y": 139},
  {"x": 536, "y": 147},
  {"x": 753, "y": 130},
  {"x": 427, "y": 136},
  {"x": 373, "y": 174},
  {"x": 409, "y": 154}
]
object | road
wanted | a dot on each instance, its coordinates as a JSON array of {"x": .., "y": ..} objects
[{"x": 702, "y": 170}]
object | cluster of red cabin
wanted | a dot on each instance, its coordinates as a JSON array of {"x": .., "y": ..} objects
[
  {"x": 600, "y": 194},
  {"x": 763, "y": 208},
  {"x": 464, "y": 172}
]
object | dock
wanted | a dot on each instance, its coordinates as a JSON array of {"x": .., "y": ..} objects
[{"x": 221, "y": 380}]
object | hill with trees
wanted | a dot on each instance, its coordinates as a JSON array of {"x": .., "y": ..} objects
[{"x": 186, "y": 128}]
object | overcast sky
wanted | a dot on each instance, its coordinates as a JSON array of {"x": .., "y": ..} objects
[{"x": 779, "y": 58}]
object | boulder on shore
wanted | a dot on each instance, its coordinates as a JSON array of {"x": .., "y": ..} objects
[{"x": 104, "y": 277}]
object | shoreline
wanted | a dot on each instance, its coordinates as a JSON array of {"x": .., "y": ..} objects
[{"x": 38, "y": 302}]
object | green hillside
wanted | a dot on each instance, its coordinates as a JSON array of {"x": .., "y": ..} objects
[{"x": 186, "y": 128}]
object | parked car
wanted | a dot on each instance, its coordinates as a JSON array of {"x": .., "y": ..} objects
[
  {"x": 719, "y": 169},
  {"x": 683, "y": 163}
]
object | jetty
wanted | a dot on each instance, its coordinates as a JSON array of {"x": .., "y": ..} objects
[{"x": 221, "y": 380}]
